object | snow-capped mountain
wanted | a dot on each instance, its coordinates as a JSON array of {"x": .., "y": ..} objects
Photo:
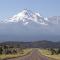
[
  {"x": 27, "y": 16},
  {"x": 29, "y": 25}
]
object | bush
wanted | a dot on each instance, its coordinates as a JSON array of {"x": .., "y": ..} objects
[
  {"x": 1, "y": 49},
  {"x": 52, "y": 51},
  {"x": 14, "y": 51},
  {"x": 58, "y": 51},
  {"x": 6, "y": 46}
]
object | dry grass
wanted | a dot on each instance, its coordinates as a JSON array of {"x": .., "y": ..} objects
[
  {"x": 48, "y": 54},
  {"x": 19, "y": 54}
]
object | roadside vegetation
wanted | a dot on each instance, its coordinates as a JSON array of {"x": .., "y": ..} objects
[
  {"x": 7, "y": 52},
  {"x": 51, "y": 53}
]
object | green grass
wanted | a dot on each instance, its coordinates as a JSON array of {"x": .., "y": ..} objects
[
  {"x": 19, "y": 54},
  {"x": 48, "y": 54}
]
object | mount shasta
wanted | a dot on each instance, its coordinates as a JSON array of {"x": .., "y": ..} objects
[{"x": 30, "y": 26}]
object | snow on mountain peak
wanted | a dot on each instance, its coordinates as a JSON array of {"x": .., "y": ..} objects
[
  {"x": 27, "y": 16},
  {"x": 30, "y": 17},
  {"x": 19, "y": 16}
]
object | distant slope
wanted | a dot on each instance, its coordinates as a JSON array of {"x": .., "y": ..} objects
[{"x": 35, "y": 44}]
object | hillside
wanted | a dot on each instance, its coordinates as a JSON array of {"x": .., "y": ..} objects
[{"x": 35, "y": 44}]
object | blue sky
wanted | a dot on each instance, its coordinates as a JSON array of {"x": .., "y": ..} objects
[{"x": 45, "y": 7}]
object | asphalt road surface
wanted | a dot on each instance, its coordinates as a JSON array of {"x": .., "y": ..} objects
[{"x": 34, "y": 55}]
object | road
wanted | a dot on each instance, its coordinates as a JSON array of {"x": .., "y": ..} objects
[{"x": 34, "y": 55}]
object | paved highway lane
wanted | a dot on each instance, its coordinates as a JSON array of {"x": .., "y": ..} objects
[{"x": 34, "y": 55}]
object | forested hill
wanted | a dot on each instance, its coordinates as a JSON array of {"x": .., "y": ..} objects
[{"x": 35, "y": 44}]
